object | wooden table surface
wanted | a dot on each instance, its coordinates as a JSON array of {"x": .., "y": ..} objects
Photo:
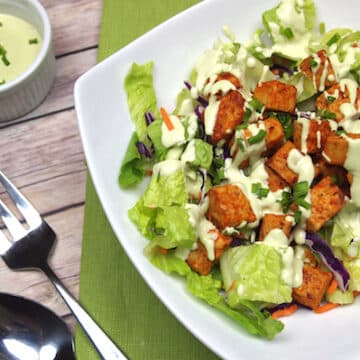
[{"x": 43, "y": 155}]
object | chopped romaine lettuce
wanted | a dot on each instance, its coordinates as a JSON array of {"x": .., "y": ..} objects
[
  {"x": 166, "y": 261},
  {"x": 166, "y": 189},
  {"x": 346, "y": 230},
  {"x": 132, "y": 169},
  {"x": 254, "y": 272},
  {"x": 248, "y": 315},
  {"x": 198, "y": 153},
  {"x": 141, "y": 96}
]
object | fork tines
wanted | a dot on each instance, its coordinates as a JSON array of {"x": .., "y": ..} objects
[{"x": 31, "y": 216}]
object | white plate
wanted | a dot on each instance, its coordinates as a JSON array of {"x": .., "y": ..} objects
[{"x": 105, "y": 129}]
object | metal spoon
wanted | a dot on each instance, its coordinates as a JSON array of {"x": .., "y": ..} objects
[{"x": 29, "y": 331}]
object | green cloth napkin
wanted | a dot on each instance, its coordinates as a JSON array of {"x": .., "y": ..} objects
[{"x": 110, "y": 287}]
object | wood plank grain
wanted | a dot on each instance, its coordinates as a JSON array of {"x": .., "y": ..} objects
[
  {"x": 46, "y": 151},
  {"x": 75, "y": 24}
]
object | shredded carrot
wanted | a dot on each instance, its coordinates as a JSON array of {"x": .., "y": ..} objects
[
  {"x": 284, "y": 312},
  {"x": 332, "y": 287},
  {"x": 148, "y": 172},
  {"x": 166, "y": 119},
  {"x": 231, "y": 286},
  {"x": 326, "y": 307},
  {"x": 356, "y": 293},
  {"x": 163, "y": 250}
]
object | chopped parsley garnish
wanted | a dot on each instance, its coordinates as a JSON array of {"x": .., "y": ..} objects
[
  {"x": 2, "y": 82},
  {"x": 256, "y": 105},
  {"x": 287, "y": 32},
  {"x": 330, "y": 99},
  {"x": 326, "y": 114},
  {"x": 259, "y": 191},
  {"x": 313, "y": 63},
  {"x": 33, "y": 41},
  {"x": 335, "y": 38},
  {"x": 257, "y": 138}
]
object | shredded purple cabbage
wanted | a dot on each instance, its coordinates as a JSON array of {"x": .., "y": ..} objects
[
  {"x": 198, "y": 112},
  {"x": 200, "y": 98},
  {"x": 203, "y": 173},
  {"x": 280, "y": 307},
  {"x": 202, "y": 101},
  {"x": 305, "y": 115},
  {"x": 143, "y": 150},
  {"x": 282, "y": 69},
  {"x": 188, "y": 85},
  {"x": 236, "y": 242},
  {"x": 322, "y": 248},
  {"x": 149, "y": 118}
]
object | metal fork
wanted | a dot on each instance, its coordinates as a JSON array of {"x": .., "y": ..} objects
[{"x": 30, "y": 248}]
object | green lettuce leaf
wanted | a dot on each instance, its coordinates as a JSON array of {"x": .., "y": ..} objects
[
  {"x": 166, "y": 190},
  {"x": 154, "y": 131},
  {"x": 340, "y": 297},
  {"x": 168, "y": 262},
  {"x": 174, "y": 228},
  {"x": 198, "y": 153},
  {"x": 141, "y": 96},
  {"x": 132, "y": 170},
  {"x": 248, "y": 316},
  {"x": 353, "y": 267},
  {"x": 253, "y": 273},
  {"x": 144, "y": 218},
  {"x": 346, "y": 230}
]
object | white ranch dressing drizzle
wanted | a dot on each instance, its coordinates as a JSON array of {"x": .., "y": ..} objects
[
  {"x": 349, "y": 110},
  {"x": 343, "y": 67},
  {"x": 176, "y": 135},
  {"x": 210, "y": 117},
  {"x": 352, "y": 164},
  {"x": 205, "y": 229},
  {"x": 292, "y": 259},
  {"x": 223, "y": 86},
  {"x": 315, "y": 68},
  {"x": 303, "y": 166},
  {"x": 297, "y": 46},
  {"x": 252, "y": 152},
  {"x": 304, "y": 133},
  {"x": 189, "y": 154},
  {"x": 324, "y": 75}
]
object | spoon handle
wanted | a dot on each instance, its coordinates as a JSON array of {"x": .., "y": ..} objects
[{"x": 103, "y": 344}]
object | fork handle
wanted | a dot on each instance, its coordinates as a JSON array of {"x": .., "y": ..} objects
[{"x": 103, "y": 344}]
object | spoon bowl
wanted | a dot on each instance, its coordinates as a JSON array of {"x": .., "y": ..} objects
[{"x": 29, "y": 331}]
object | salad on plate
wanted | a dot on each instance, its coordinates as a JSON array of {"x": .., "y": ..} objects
[{"x": 254, "y": 184}]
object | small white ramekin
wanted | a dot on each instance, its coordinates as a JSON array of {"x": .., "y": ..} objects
[{"x": 28, "y": 90}]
